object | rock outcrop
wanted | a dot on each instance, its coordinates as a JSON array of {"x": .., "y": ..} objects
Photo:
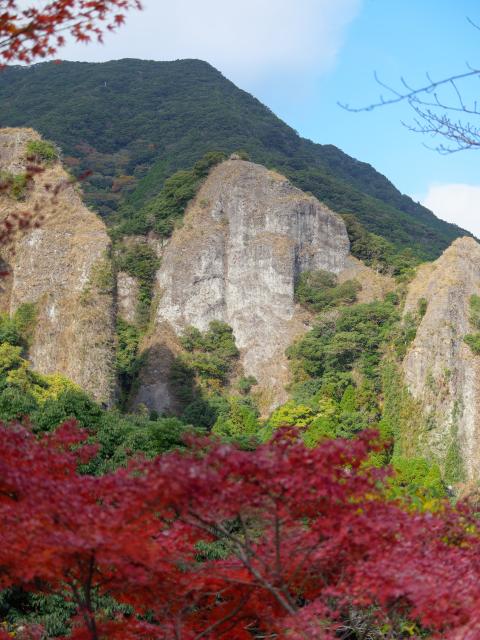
[
  {"x": 439, "y": 368},
  {"x": 245, "y": 239},
  {"x": 64, "y": 269}
]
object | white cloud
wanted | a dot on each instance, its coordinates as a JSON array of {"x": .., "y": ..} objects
[
  {"x": 458, "y": 203},
  {"x": 247, "y": 40}
]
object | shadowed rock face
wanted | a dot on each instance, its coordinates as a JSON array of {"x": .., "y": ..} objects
[
  {"x": 63, "y": 268},
  {"x": 246, "y": 238},
  {"x": 440, "y": 369}
]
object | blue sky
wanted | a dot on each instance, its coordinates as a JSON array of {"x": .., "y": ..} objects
[{"x": 302, "y": 56}]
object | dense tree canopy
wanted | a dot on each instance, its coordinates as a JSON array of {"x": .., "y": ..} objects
[
  {"x": 133, "y": 124},
  {"x": 282, "y": 542}
]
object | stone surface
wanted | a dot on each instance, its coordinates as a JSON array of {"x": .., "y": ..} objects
[
  {"x": 245, "y": 239},
  {"x": 375, "y": 286},
  {"x": 62, "y": 267},
  {"x": 127, "y": 297},
  {"x": 439, "y": 368}
]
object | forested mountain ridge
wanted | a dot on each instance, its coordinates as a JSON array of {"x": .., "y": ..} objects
[{"x": 133, "y": 123}]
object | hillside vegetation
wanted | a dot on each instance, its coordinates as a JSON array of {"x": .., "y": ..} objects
[{"x": 134, "y": 123}]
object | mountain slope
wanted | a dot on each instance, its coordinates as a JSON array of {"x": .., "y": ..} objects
[{"x": 132, "y": 123}]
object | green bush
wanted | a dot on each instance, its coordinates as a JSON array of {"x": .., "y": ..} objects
[
  {"x": 422, "y": 307},
  {"x": 473, "y": 341},
  {"x": 14, "y": 184},
  {"x": 164, "y": 211},
  {"x": 378, "y": 252},
  {"x": 201, "y": 374},
  {"x": 128, "y": 359},
  {"x": 121, "y": 436},
  {"x": 42, "y": 151},
  {"x": 245, "y": 384},
  {"x": 240, "y": 422},
  {"x": 140, "y": 261},
  {"x": 16, "y": 404},
  {"x": 211, "y": 355},
  {"x": 319, "y": 290},
  {"x": 71, "y": 404},
  {"x": 416, "y": 477}
]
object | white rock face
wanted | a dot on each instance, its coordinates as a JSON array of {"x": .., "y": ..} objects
[
  {"x": 127, "y": 297},
  {"x": 440, "y": 369},
  {"x": 61, "y": 268},
  {"x": 246, "y": 238}
]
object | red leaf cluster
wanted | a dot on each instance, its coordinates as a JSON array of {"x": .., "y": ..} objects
[
  {"x": 28, "y": 34},
  {"x": 302, "y": 537}
]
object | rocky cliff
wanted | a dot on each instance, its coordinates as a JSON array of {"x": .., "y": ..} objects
[
  {"x": 63, "y": 268},
  {"x": 440, "y": 370},
  {"x": 245, "y": 239}
]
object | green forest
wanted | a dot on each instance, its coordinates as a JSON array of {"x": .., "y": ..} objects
[{"x": 126, "y": 126}]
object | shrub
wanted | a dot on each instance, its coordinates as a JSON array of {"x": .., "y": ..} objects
[
  {"x": 240, "y": 422},
  {"x": 245, "y": 384},
  {"x": 165, "y": 209},
  {"x": 211, "y": 355},
  {"x": 42, "y": 151},
  {"x": 141, "y": 262},
  {"x": 14, "y": 184},
  {"x": 319, "y": 290},
  {"x": 473, "y": 339},
  {"x": 70, "y": 403}
]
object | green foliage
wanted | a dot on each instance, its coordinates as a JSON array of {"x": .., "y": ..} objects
[
  {"x": 128, "y": 359},
  {"x": 406, "y": 334},
  {"x": 14, "y": 184},
  {"x": 121, "y": 436},
  {"x": 422, "y": 307},
  {"x": 319, "y": 290},
  {"x": 291, "y": 415},
  {"x": 140, "y": 261},
  {"x": 475, "y": 311},
  {"x": 201, "y": 374},
  {"x": 15, "y": 404},
  {"x": 18, "y": 329},
  {"x": 25, "y": 320},
  {"x": 42, "y": 151},
  {"x": 9, "y": 330},
  {"x": 354, "y": 337},
  {"x": 53, "y": 612},
  {"x": 403, "y": 418},
  {"x": 102, "y": 276},
  {"x": 211, "y": 355},
  {"x": 454, "y": 466},
  {"x": 377, "y": 251},
  {"x": 336, "y": 367},
  {"x": 71, "y": 403},
  {"x": 240, "y": 422},
  {"x": 164, "y": 211},
  {"x": 416, "y": 477},
  {"x": 147, "y": 120},
  {"x": 473, "y": 339},
  {"x": 245, "y": 384}
]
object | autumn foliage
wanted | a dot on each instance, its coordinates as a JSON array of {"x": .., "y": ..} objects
[
  {"x": 38, "y": 31},
  {"x": 282, "y": 542}
]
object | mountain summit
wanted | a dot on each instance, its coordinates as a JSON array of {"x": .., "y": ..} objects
[{"x": 132, "y": 123}]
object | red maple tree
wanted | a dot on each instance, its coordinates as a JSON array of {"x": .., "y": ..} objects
[
  {"x": 37, "y": 32},
  {"x": 217, "y": 543}
]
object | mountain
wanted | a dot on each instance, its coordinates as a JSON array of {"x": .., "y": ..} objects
[
  {"x": 252, "y": 315},
  {"x": 133, "y": 123}
]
